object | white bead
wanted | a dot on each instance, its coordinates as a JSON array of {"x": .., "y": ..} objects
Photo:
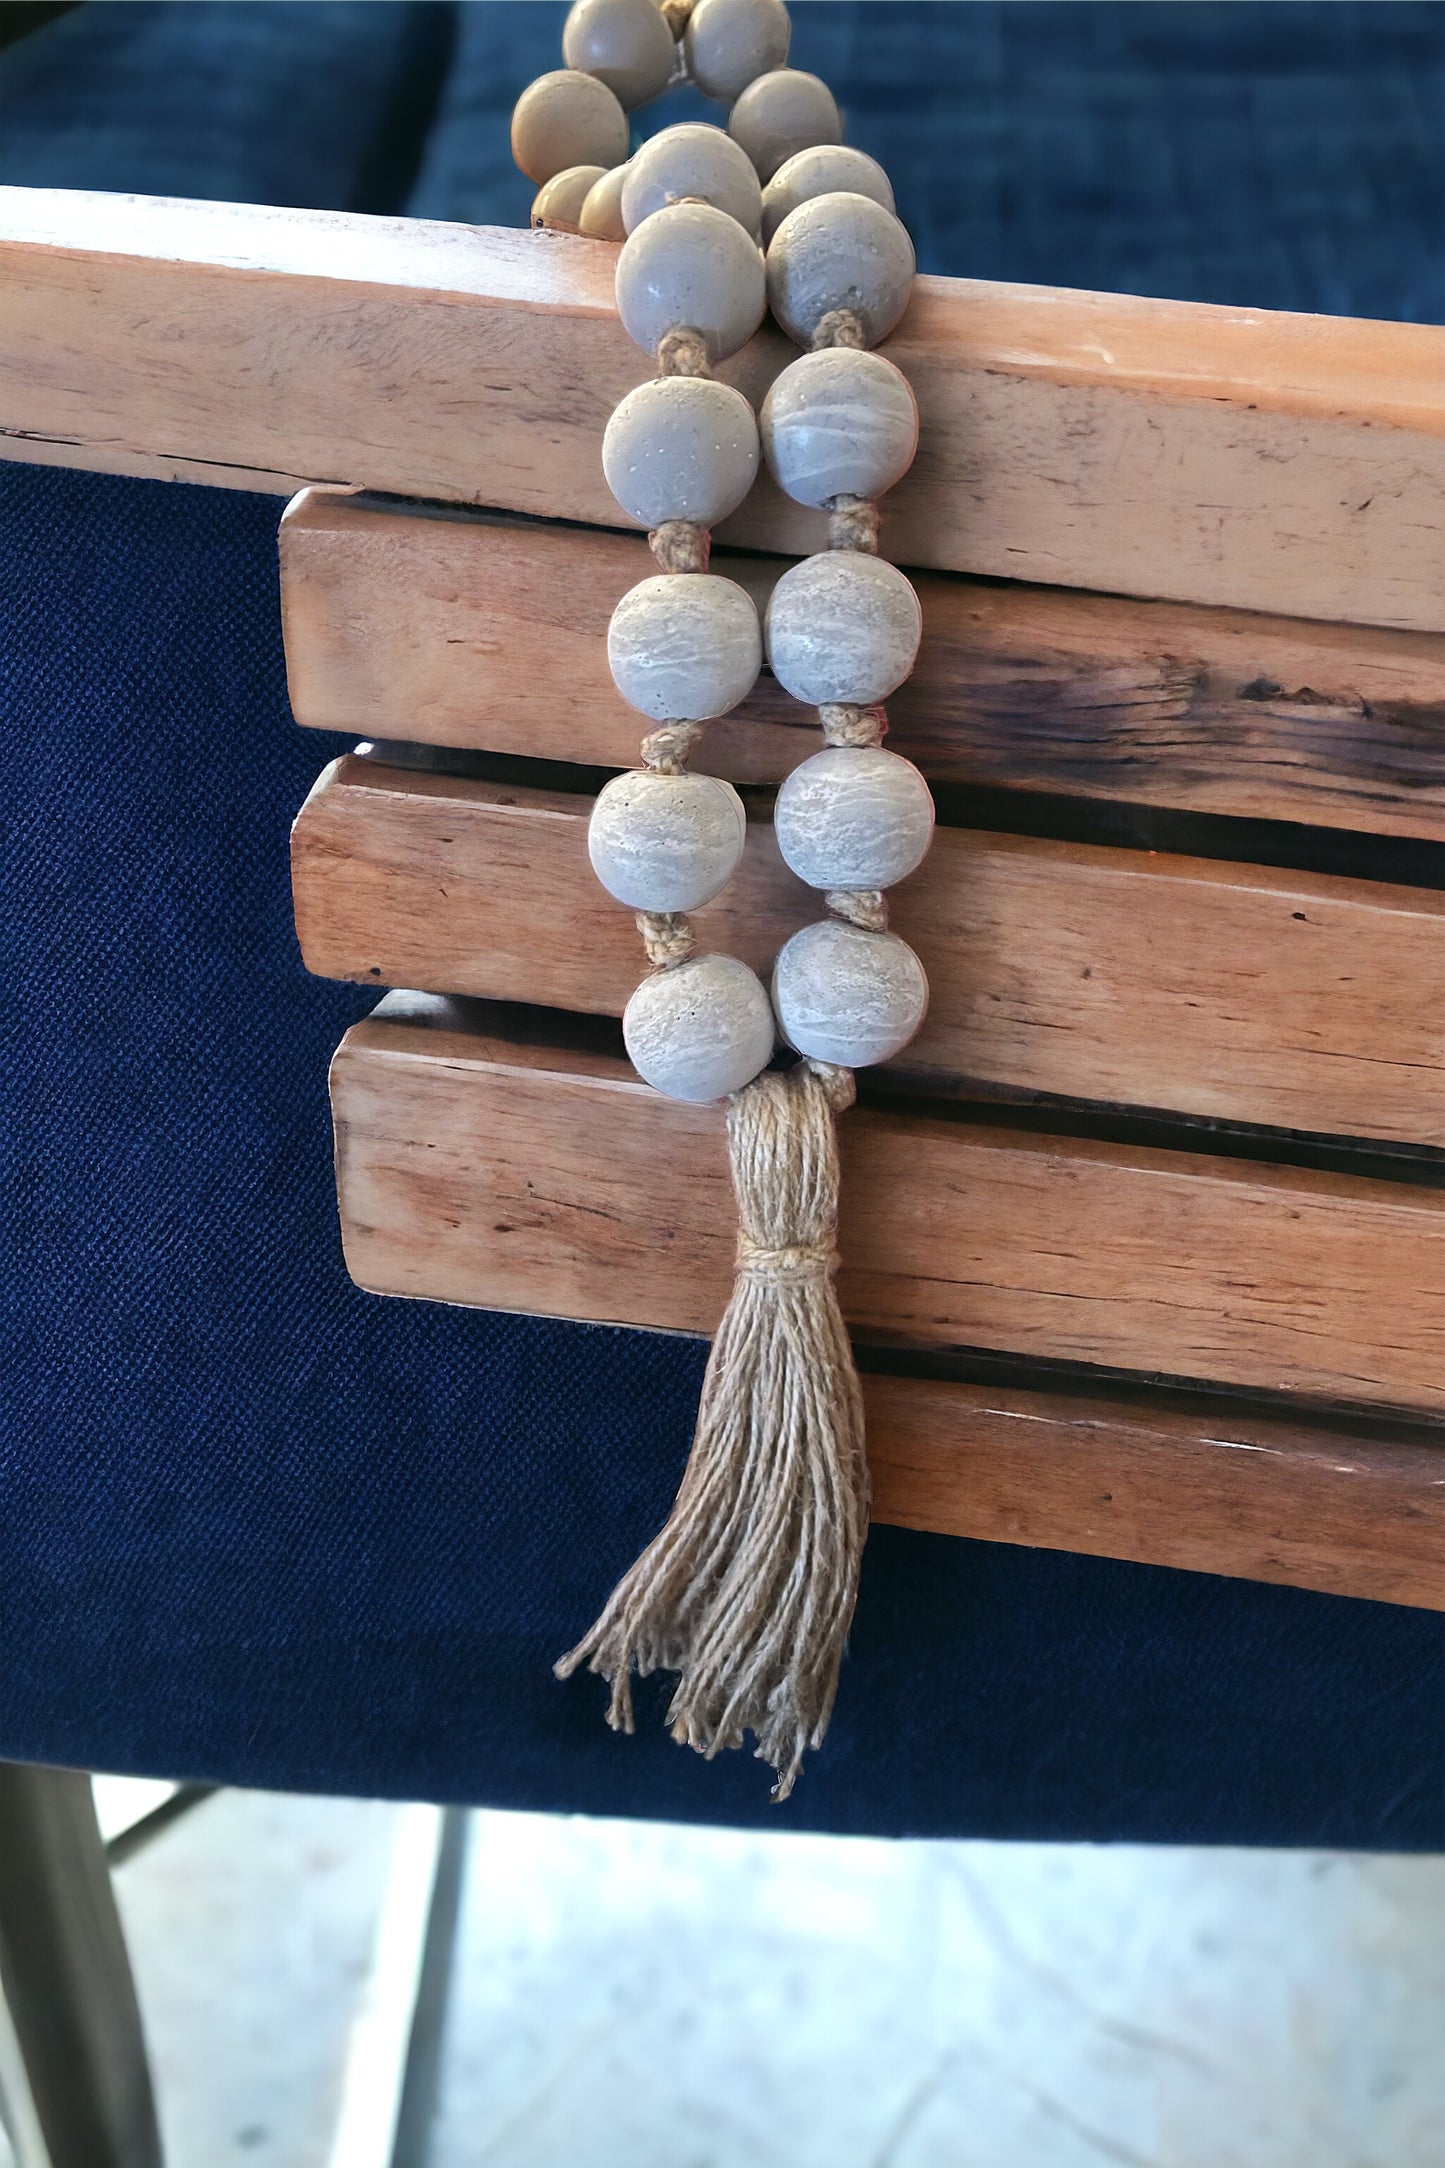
[
  {"x": 690, "y": 267},
  {"x": 782, "y": 113},
  {"x": 854, "y": 816},
  {"x": 728, "y": 42},
  {"x": 698, "y": 162},
  {"x": 839, "y": 423},
  {"x": 558, "y": 203},
  {"x": 700, "y": 1030},
  {"x": 842, "y": 626},
  {"x": 624, "y": 43},
  {"x": 666, "y": 842},
  {"x": 839, "y": 252},
  {"x": 843, "y": 994},
  {"x": 684, "y": 646},
  {"x": 824, "y": 169},
  {"x": 681, "y": 447},
  {"x": 601, "y": 217}
]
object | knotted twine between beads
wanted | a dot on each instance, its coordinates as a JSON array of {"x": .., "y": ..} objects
[{"x": 748, "y": 1590}]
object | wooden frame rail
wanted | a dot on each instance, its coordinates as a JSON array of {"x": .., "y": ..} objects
[{"x": 1288, "y": 463}]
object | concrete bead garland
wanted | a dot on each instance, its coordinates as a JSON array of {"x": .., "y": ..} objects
[
  {"x": 684, "y": 648},
  {"x": 839, "y": 252},
  {"x": 680, "y": 447},
  {"x": 780, "y": 114},
  {"x": 624, "y": 43},
  {"x": 825, "y": 169},
  {"x": 854, "y": 817},
  {"x": 567, "y": 119},
  {"x": 697, "y": 163},
  {"x": 690, "y": 266},
  {"x": 842, "y": 627},
  {"x": 848, "y": 996},
  {"x": 666, "y": 842},
  {"x": 839, "y": 423},
  {"x": 701, "y": 1029}
]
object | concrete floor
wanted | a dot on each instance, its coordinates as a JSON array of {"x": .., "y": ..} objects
[{"x": 636, "y": 1997}]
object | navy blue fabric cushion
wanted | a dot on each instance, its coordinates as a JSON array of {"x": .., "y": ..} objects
[
  {"x": 321, "y": 104},
  {"x": 258, "y": 1526},
  {"x": 1278, "y": 154}
]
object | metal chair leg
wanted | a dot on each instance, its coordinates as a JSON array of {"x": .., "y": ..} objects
[{"x": 66, "y": 1980}]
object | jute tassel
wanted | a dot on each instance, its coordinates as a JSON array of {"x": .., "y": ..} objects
[{"x": 748, "y": 1591}]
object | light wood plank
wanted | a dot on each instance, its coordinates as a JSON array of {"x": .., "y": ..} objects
[
  {"x": 488, "y": 631},
  {"x": 1207, "y": 1489},
  {"x": 1158, "y": 448},
  {"x": 1296, "y": 1000},
  {"x": 475, "y": 1168}
]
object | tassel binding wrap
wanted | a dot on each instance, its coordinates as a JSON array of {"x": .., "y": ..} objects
[{"x": 748, "y": 1590}]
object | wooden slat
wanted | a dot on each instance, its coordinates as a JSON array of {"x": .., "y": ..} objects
[
  {"x": 1210, "y": 1490},
  {"x": 1296, "y": 1000},
  {"x": 1216, "y": 455},
  {"x": 474, "y": 1168},
  {"x": 488, "y": 632}
]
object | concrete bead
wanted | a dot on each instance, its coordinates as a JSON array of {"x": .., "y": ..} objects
[
  {"x": 854, "y": 817},
  {"x": 845, "y": 995},
  {"x": 842, "y": 626},
  {"x": 700, "y": 1030},
  {"x": 839, "y": 252},
  {"x": 567, "y": 119},
  {"x": 601, "y": 218},
  {"x": 560, "y": 200},
  {"x": 826, "y": 169},
  {"x": 837, "y": 423},
  {"x": 681, "y": 447},
  {"x": 691, "y": 267},
  {"x": 729, "y": 42},
  {"x": 697, "y": 161},
  {"x": 624, "y": 43},
  {"x": 781, "y": 114},
  {"x": 666, "y": 842},
  {"x": 684, "y": 647}
]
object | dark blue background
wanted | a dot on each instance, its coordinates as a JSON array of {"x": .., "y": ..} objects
[{"x": 257, "y": 1526}]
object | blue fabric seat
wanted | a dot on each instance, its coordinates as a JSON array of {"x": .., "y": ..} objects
[{"x": 258, "y": 1527}]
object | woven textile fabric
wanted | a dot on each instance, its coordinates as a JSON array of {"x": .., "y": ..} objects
[{"x": 258, "y": 1527}]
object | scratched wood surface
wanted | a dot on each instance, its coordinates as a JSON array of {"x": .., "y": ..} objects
[
  {"x": 478, "y": 1164},
  {"x": 1206, "y": 1488},
  {"x": 1218, "y": 455},
  {"x": 1295, "y": 1000},
  {"x": 488, "y": 632}
]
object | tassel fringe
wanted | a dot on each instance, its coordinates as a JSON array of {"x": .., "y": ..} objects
[{"x": 748, "y": 1590}]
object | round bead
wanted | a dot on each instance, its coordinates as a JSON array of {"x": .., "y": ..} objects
[
  {"x": 701, "y": 1029},
  {"x": 839, "y": 423},
  {"x": 839, "y": 252},
  {"x": 843, "y": 994},
  {"x": 624, "y": 43},
  {"x": 842, "y": 626},
  {"x": 692, "y": 268},
  {"x": 684, "y": 647},
  {"x": 560, "y": 200},
  {"x": 601, "y": 217},
  {"x": 666, "y": 842},
  {"x": 567, "y": 119},
  {"x": 781, "y": 114},
  {"x": 854, "y": 816},
  {"x": 729, "y": 42},
  {"x": 697, "y": 161},
  {"x": 826, "y": 169},
  {"x": 681, "y": 447}
]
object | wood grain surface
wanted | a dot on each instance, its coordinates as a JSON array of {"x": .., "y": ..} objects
[
  {"x": 479, "y": 1167},
  {"x": 1300, "y": 1001},
  {"x": 1211, "y": 454},
  {"x": 487, "y": 631},
  {"x": 1208, "y": 1489}
]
